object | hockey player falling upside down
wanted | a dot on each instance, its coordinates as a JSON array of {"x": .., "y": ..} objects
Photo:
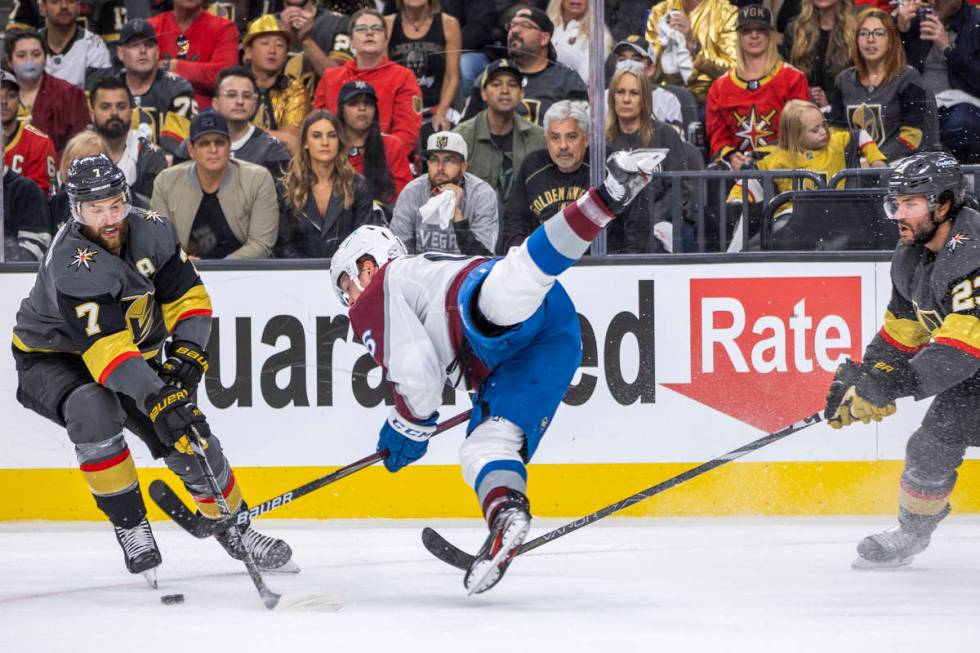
[
  {"x": 928, "y": 346},
  {"x": 114, "y": 285},
  {"x": 504, "y": 326}
]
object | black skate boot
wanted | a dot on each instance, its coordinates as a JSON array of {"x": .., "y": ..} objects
[
  {"x": 510, "y": 526},
  {"x": 269, "y": 553},
  {"x": 140, "y": 550},
  {"x": 895, "y": 547}
]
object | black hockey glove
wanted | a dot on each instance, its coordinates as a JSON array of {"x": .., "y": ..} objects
[
  {"x": 185, "y": 365},
  {"x": 866, "y": 393},
  {"x": 176, "y": 418}
]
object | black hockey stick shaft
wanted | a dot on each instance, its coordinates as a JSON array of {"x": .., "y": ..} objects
[
  {"x": 202, "y": 527},
  {"x": 449, "y": 553},
  {"x": 674, "y": 481},
  {"x": 343, "y": 472},
  {"x": 269, "y": 598}
]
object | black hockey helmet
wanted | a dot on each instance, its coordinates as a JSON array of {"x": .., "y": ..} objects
[
  {"x": 93, "y": 178},
  {"x": 936, "y": 175}
]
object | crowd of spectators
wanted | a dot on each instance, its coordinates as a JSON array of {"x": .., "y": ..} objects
[{"x": 274, "y": 129}]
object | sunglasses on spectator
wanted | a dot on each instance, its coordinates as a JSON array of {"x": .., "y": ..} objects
[
  {"x": 364, "y": 29},
  {"x": 868, "y": 33},
  {"x": 247, "y": 96}
]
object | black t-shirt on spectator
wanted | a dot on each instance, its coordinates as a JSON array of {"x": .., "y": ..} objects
[{"x": 211, "y": 237}]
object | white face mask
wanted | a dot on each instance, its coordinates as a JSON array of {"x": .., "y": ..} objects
[{"x": 29, "y": 71}]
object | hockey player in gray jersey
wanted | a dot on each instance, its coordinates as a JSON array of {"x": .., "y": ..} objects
[
  {"x": 929, "y": 345},
  {"x": 113, "y": 287}
]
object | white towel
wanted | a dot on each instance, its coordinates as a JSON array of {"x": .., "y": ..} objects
[
  {"x": 439, "y": 209},
  {"x": 674, "y": 56},
  {"x": 953, "y": 96}
]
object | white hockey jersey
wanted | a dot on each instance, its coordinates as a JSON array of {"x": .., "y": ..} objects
[{"x": 408, "y": 320}]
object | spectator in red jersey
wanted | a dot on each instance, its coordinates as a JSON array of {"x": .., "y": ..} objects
[
  {"x": 743, "y": 106},
  {"x": 196, "y": 45},
  {"x": 27, "y": 150},
  {"x": 54, "y": 106},
  {"x": 399, "y": 95},
  {"x": 380, "y": 158}
]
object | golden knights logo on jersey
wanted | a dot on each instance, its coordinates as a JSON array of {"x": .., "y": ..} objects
[
  {"x": 139, "y": 316},
  {"x": 869, "y": 118},
  {"x": 930, "y": 320}
]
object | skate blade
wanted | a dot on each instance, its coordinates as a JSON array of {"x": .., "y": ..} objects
[
  {"x": 863, "y": 564},
  {"x": 492, "y": 573},
  {"x": 288, "y": 567},
  {"x": 151, "y": 577}
]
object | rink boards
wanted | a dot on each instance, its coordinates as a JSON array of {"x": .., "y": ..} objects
[{"x": 681, "y": 363}]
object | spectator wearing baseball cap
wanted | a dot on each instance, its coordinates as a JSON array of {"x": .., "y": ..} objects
[
  {"x": 163, "y": 100},
  {"x": 498, "y": 139},
  {"x": 743, "y": 108},
  {"x": 546, "y": 81},
  {"x": 381, "y": 158},
  {"x": 221, "y": 207},
  {"x": 666, "y": 106},
  {"x": 448, "y": 209},
  {"x": 283, "y": 100},
  {"x": 571, "y": 37}
]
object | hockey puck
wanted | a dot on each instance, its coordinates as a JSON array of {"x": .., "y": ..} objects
[{"x": 172, "y": 599}]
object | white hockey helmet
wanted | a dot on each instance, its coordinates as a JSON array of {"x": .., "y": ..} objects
[{"x": 369, "y": 240}]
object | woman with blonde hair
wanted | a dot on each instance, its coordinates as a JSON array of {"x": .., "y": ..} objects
[
  {"x": 323, "y": 199},
  {"x": 84, "y": 143},
  {"x": 881, "y": 94},
  {"x": 573, "y": 21},
  {"x": 818, "y": 42},
  {"x": 630, "y": 125},
  {"x": 742, "y": 113}
]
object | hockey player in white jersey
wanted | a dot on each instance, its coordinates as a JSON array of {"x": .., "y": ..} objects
[{"x": 503, "y": 326}]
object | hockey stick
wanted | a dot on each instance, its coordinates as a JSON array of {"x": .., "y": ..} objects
[
  {"x": 269, "y": 598},
  {"x": 201, "y": 527},
  {"x": 441, "y": 548}
]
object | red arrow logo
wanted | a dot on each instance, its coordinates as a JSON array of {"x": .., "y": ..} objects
[{"x": 764, "y": 350}]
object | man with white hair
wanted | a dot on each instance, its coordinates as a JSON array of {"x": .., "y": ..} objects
[
  {"x": 552, "y": 178},
  {"x": 447, "y": 210}
]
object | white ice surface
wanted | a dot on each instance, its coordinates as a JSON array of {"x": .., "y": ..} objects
[{"x": 732, "y": 585}]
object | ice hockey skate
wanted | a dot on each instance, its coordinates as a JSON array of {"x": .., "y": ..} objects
[
  {"x": 140, "y": 550},
  {"x": 269, "y": 553},
  {"x": 889, "y": 549},
  {"x": 628, "y": 173},
  {"x": 510, "y": 526}
]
